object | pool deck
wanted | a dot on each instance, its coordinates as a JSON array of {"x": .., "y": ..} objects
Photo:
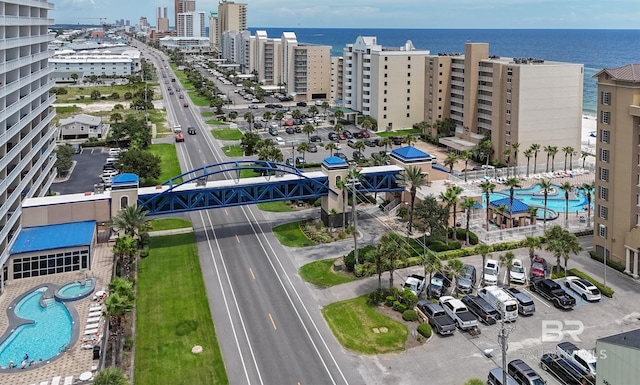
[{"x": 77, "y": 360}]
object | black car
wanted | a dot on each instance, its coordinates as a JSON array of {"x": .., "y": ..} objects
[
  {"x": 357, "y": 135},
  {"x": 301, "y": 104},
  {"x": 257, "y": 125},
  {"x": 297, "y": 129},
  {"x": 481, "y": 309},
  {"x": 297, "y": 121},
  {"x": 270, "y": 106},
  {"x": 315, "y": 138},
  {"x": 438, "y": 285},
  {"x": 191, "y": 130},
  {"x": 332, "y": 136},
  {"x": 290, "y": 130},
  {"x": 553, "y": 293},
  {"x": 348, "y": 134},
  {"x": 564, "y": 370},
  {"x": 300, "y": 161},
  {"x": 396, "y": 140},
  {"x": 341, "y": 156},
  {"x": 369, "y": 143},
  {"x": 277, "y": 106},
  {"x": 357, "y": 155}
]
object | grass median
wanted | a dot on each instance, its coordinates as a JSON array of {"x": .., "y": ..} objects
[
  {"x": 169, "y": 165},
  {"x": 290, "y": 234},
  {"x": 412, "y": 131},
  {"x": 169, "y": 224},
  {"x": 320, "y": 273},
  {"x": 226, "y": 134},
  {"x": 275, "y": 207},
  {"x": 233, "y": 151},
  {"x": 359, "y": 327},
  {"x": 172, "y": 316}
]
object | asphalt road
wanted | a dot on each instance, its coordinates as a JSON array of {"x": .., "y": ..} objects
[
  {"x": 86, "y": 172},
  {"x": 270, "y": 331}
]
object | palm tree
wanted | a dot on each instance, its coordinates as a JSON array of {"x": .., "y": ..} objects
[
  {"x": 465, "y": 156},
  {"x": 124, "y": 250},
  {"x": 512, "y": 183},
  {"x": 485, "y": 251},
  {"x": 313, "y": 110},
  {"x": 386, "y": 142},
  {"x": 279, "y": 117},
  {"x": 487, "y": 188},
  {"x": 330, "y": 146},
  {"x": 116, "y": 117},
  {"x": 249, "y": 118},
  {"x": 546, "y": 187},
  {"x": 451, "y": 197},
  {"x": 571, "y": 154},
  {"x": 267, "y": 116},
  {"x": 553, "y": 151},
  {"x": 296, "y": 115},
  {"x": 325, "y": 106},
  {"x": 337, "y": 128},
  {"x": 468, "y": 204},
  {"x": 110, "y": 376},
  {"x": 506, "y": 261},
  {"x": 567, "y": 188},
  {"x": 532, "y": 243},
  {"x": 561, "y": 242},
  {"x": 584, "y": 156},
  {"x": 414, "y": 178},
  {"x": 308, "y": 129},
  {"x": 501, "y": 209},
  {"x": 339, "y": 114},
  {"x": 303, "y": 148},
  {"x": 392, "y": 251},
  {"x": 547, "y": 149},
  {"x": 359, "y": 146},
  {"x": 409, "y": 139},
  {"x": 455, "y": 268},
  {"x": 233, "y": 115},
  {"x": 535, "y": 148},
  {"x": 507, "y": 157},
  {"x": 528, "y": 153},
  {"x": 118, "y": 304},
  {"x": 533, "y": 215},
  {"x": 515, "y": 149},
  {"x": 131, "y": 220},
  {"x": 432, "y": 264},
  {"x": 451, "y": 160},
  {"x": 588, "y": 192},
  {"x": 567, "y": 151}
]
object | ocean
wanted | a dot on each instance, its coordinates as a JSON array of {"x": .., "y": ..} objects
[{"x": 594, "y": 48}]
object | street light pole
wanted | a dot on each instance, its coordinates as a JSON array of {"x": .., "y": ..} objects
[
  {"x": 355, "y": 219},
  {"x": 606, "y": 235}
]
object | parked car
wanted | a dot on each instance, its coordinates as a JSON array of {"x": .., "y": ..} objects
[
  {"x": 357, "y": 135},
  {"x": 253, "y": 106},
  {"x": 332, "y": 136},
  {"x": 490, "y": 272},
  {"x": 369, "y": 143},
  {"x": 481, "y": 309},
  {"x": 463, "y": 318},
  {"x": 585, "y": 289},
  {"x": 517, "y": 273},
  {"x": 440, "y": 322},
  {"x": 270, "y": 105},
  {"x": 341, "y": 136},
  {"x": 315, "y": 138},
  {"x": 495, "y": 378},
  {"x": 273, "y": 130},
  {"x": 301, "y": 104},
  {"x": 564, "y": 370},
  {"x": 538, "y": 268},
  {"x": 396, "y": 140},
  {"x": 257, "y": 125},
  {"x": 438, "y": 285},
  {"x": 114, "y": 152},
  {"x": 300, "y": 161},
  {"x": 523, "y": 373},
  {"x": 340, "y": 155},
  {"x": 365, "y": 134},
  {"x": 290, "y": 130},
  {"x": 526, "y": 306},
  {"x": 313, "y": 147},
  {"x": 415, "y": 283},
  {"x": 357, "y": 155},
  {"x": 288, "y": 122},
  {"x": 351, "y": 143},
  {"x": 553, "y": 293},
  {"x": 582, "y": 358},
  {"x": 467, "y": 280},
  {"x": 348, "y": 134}
]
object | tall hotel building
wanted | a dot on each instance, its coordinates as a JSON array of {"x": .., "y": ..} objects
[
  {"x": 514, "y": 100},
  {"x": 191, "y": 24},
  {"x": 617, "y": 184},
  {"x": 384, "y": 83},
  {"x": 182, "y": 6},
  {"x": 27, "y": 137},
  {"x": 231, "y": 17}
]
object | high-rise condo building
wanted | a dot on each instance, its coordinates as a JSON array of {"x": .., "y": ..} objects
[
  {"x": 214, "y": 44},
  {"x": 27, "y": 137},
  {"x": 162, "y": 19},
  {"x": 231, "y": 17},
  {"x": 182, "y": 6},
  {"x": 191, "y": 24},
  {"x": 617, "y": 183}
]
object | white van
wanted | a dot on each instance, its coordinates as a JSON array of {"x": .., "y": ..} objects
[
  {"x": 490, "y": 272},
  {"x": 501, "y": 301}
]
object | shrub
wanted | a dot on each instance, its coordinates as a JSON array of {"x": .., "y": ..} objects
[
  {"x": 461, "y": 234},
  {"x": 409, "y": 299},
  {"x": 376, "y": 297},
  {"x": 396, "y": 305},
  {"x": 410, "y": 315},
  {"x": 144, "y": 253},
  {"x": 402, "y": 308},
  {"x": 389, "y": 300},
  {"x": 610, "y": 263},
  {"x": 425, "y": 330},
  {"x": 350, "y": 259}
]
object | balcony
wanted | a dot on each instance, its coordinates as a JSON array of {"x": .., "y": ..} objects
[
  {"x": 457, "y": 65},
  {"x": 16, "y": 42},
  {"x": 486, "y": 79},
  {"x": 634, "y": 110},
  {"x": 457, "y": 100},
  {"x": 457, "y": 83},
  {"x": 484, "y": 116},
  {"x": 488, "y": 98},
  {"x": 485, "y": 88},
  {"x": 456, "y": 108}
]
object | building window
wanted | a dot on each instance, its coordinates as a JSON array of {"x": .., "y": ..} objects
[
  {"x": 602, "y": 231},
  {"x": 385, "y": 92},
  {"x": 385, "y": 100},
  {"x": 386, "y": 58},
  {"x": 408, "y": 115},
  {"x": 409, "y": 58},
  {"x": 603, "y": 192},
  {"x": 508, "y": 90},
  {"x": 384, "y": 116},
  {"x": 509, "y": 71},
  {"x": 604, "y": 136},
  {"x": 508, "y": 80},
  {"x": 385, "y": 84},
  {"x": 440, "y": 65},
  {"x": 408, "y": 107},
  {"x": 439, "y": 81},
  {"x": 385, "y": 75},
  {"x": 606, "y": 98},
  {"x": 408, "y": 90},
  {"x": 508, "y": 132},
  {"x": 508, "y": 101},
  {"x": 604, "y": 174},
  {"x": 604, "y": 155},
  {"x": 603, "y": 212},
  {"x": 408, "y": 98},
  {"x": 508, "y": 112},
  {"x": 385, "y": 66},
  {"x": 508, "y": 122},
  {"x": 605, "y": 117},
  {"x": 384, "y": 108},
  {"x": 408, "y": 82}
]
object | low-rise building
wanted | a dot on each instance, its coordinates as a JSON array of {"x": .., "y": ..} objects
[
  {"x": 81, "y": 126},
  {"x": 98, "y": 63},
  {"x": 617, "y": 356}
]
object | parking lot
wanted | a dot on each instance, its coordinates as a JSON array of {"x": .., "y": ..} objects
[{"x": 86, "y": 172}]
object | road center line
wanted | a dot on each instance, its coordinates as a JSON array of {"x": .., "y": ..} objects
[
  {"x": 237, "y": 239},
  {"x": 252, "y": 275},
  {"x": 272, "y": 322}
]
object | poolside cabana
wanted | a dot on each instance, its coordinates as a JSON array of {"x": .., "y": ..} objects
[{"x": 519, "y": 216}]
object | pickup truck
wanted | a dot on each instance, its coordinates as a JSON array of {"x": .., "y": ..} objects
[
  {"x": 580, "y": 357},
  {"x": 440, "y": 322},
  {"x": 564, "y": 370},
  {"x": 463, "y": 318},
  {"x": 415, "y": 283},
  {"x": 553, "y": 292}
]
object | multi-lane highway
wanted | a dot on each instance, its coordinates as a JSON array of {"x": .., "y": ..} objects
[{"x": 269, "y": 328}]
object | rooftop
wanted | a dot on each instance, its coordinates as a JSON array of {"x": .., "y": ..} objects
[
  {"x": 519, "y": 207},
  {"x": 629, "y": 73},
  {"x": 630, "y": 339},
  {"x": 50, "y": 237},
  {"x": 410, "y": 153}
]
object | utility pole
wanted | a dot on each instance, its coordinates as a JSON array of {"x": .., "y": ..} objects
[
  {"x": 503, "y": 336},
  {"x": 352, "y": 178}
]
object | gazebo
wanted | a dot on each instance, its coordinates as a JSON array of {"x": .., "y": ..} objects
[{"x": 519, "y": 216}]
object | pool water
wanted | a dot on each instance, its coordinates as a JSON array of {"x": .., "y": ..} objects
[
  {"x": 45, "y": 338},
  {"x": 555, "y": 201},
  {"x": 75, "y": 289}
]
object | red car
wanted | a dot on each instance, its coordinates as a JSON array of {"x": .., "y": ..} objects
[
  {"x": 341, "y": 136},
  {"x": 288, "y": 123},
  {"x": 365, "y": 134},
  {"x": 538, "y": 268},
  {"x": 179, "y": 138},
  {"x": 186, "y": 105}
]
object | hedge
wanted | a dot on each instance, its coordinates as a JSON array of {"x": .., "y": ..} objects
[
  {"x": 612, "y": 264},
  {"x": 424, "y": 329},
  {"x": 410, "y": 315}
]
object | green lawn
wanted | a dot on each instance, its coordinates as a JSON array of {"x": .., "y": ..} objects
[
  {"x": 74, "y": 93},
  {"x": 290, "y": 234},
  {"x": 353, "y": 322},
  {"x": 235, "y": 150},
  {"x": 248, "y": 173},
  {"x": 226, "y": 133},
  {"x": 275, "y": 207},
  {"x": 206, "y": 114},
  {"x": 198, "y": 100},
  {"x": 172, "y": 316},
  {"x": 169, "y": 166},
  {"x": 214, "y": 121},
  {"x": 320, "y": 273},
  {"x": 399, "y": 132},
  {"x": 169, "y": 224}
]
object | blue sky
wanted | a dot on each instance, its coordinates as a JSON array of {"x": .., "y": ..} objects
[{"x": 492, "y": 14}]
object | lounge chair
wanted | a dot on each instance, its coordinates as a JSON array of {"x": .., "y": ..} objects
[
  {"x": 56, "y": 380},
  {"x": 44, "y": 383},
  {"x": 68, "y": 380},
  {"x": 90, "y": 331},
  {"x": 95, "y": 313},
  {"x": 93, "y": 320},
  {"x": 95, "y": 308}
]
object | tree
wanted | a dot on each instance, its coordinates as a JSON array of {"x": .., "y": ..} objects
[
  {"x": 450, "y": 197},
  {"x": 308, "y": 129},
  {"x": 515, "y": 149},
  {"x": 512, "y": 183},
  {"x": 487, "y": 189},
  {"x": 63, "y": 158},
  {"x": 501, "y": 210},
  {"x": 485, "y": 251},
  {"x": 533, "y": 215},
  {"x": 249, "y": 118},
  {"x": 553, "y": 150},
  {"x": 465, "y": 156},
  {"x": 568, "y": 150},
  {"x": 269, "y": 152},
  {"x": 359, "y": 146},
  {"x": 393, "y": 251},
  {"x": 116, "y": 117},
  {"x": 296, "y": 115},
  {"x": 248, "y": 143},
  {"x": 267, "y": 116},
  {"x": 506, "y": 261},
  {"x": 535, "y": 147},
  {"x": 455, "y": 268},
  {"x": 532, "y": 243},
  {"x": 325, "y": 106},
  {"x": 313, "y": 110},
  {"x": 561, "y": 242},
  {"x": 132, "y": 220},
  {"x": 330, "y": 146},
  {"x": 95, "y": 95},
  {"x": 507, "y": 156},
  {"x": 142, "y": 163},
  {"x": 567, "y": 188},
  {"x": 118, "y": 304},
  {"x": 124, "y": 249},
  {"x": 588, "y": 192},
  {"x": 546, "y": 187},
  {"x": 467, "y": 205},
  {"x": 386, "y": 142},
  {"x": 409, "y": 139},
  {"x": 74, "y": 76},
  {"x": 451, "y": 160},
  {"x": 431, "y": 216},
  {"x": 432, "y": 264},
  {"x": 279, "y": 117},
  {"x": 233, "y": 115},
  {"x": 303, "y": 148},
  {"x": 528, "y": 154},
  {"x": 474, "y": 381},
  {"x": 111, "y": 376},
  {"x": 366, "y": 124},
  {"x": 337, "y": 128},
  {"x": 584, "y": 155},
  {"x": 414, "y": 178}
]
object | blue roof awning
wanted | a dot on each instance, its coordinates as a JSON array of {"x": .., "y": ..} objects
[{"x": 50, "y": 237}]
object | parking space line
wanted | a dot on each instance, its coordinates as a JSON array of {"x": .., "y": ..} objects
[{"x": 536, "y": 297}]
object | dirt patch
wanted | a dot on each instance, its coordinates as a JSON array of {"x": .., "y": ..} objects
[{"x": 412, "y": 339}]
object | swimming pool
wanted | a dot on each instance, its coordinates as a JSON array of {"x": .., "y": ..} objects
[
  {"x": 75, "y": 290},
  {"x": 555, "y": 200},
  {"x": 44, "y": 338}
]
